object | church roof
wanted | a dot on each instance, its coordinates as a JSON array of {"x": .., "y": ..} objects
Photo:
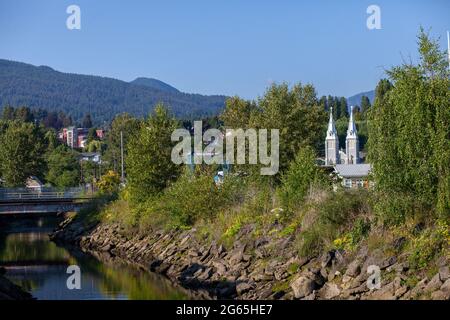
[{"x": 353, "y": 170}]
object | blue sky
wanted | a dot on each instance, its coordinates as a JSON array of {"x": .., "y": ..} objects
[{"x": 222, "y": 46}]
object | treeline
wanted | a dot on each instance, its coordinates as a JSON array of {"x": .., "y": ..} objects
[
  {"x": 77, "y": 95},
  {"x": 29, "y": 147},
  {"x": 49, "y": 119}
]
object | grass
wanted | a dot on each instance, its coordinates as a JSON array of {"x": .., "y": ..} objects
[
  {"x": 281, "y": 286},
  {"x": 325, "y": 220}
]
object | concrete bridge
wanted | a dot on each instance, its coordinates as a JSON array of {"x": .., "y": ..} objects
[{"x": 48, "y": 200}]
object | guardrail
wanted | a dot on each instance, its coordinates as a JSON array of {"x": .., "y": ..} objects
[{"x": 47, "y": 193}]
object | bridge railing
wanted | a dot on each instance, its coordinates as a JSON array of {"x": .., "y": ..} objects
[{"x": 44, "y": 193}]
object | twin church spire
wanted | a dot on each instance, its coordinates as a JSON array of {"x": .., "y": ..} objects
[{"x": 333, "y": 155}]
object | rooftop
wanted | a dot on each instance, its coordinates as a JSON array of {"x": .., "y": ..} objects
[{"x": 353, "y": 170}]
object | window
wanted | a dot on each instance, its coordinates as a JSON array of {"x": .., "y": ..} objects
[{"x": 348, "y": 183}]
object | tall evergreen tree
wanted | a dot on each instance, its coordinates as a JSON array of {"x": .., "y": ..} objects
[
  {"x": 8, "y": 113},
  {"x": 323, "y": 103},
  {"x": 343, "y": 108},
  {"x": 87, "y": 121},
  {"x": 365, "y": 105}
]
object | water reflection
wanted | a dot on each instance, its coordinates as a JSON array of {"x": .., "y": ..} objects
[{"x": 39, "y": 266}]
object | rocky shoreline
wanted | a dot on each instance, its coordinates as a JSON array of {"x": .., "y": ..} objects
[
  {"x": 263, "y": 268},
  {"x": 10, "y": 291}
]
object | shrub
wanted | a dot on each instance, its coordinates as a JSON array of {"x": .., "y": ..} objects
[
  {"x": 342, "y": 213},
  {"x": 302, "y": 176},
  {"x": 190, "y": 198},
  {"x": 430, "y": 243},
  {"x": 109, "y": 183}
]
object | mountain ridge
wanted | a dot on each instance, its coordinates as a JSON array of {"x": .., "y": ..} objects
[
  {"x": 154, "y": 83},
  {"x": 23, "y": 84},
  {"x": 355, "y": 100}
]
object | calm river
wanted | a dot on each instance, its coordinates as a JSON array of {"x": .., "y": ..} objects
[{"x": 39, "y": 266}]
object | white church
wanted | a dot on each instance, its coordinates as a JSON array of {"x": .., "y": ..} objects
[{"x": 346, "y": 164}]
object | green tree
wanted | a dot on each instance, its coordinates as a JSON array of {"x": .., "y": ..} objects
[
  {"x": 297, "y": 115},
  {"x": 303, "y": 174},
  {"x": 109, "y": 183},
  {"x": 237, "y": 113},
  {"x": 92, "y": 135},
  {"x": 23, "y": 114},
  {"x": 8, "y": 113},
  {"x": 87, "y": 121},
  {"x": 95, "y": 146},
  {"x": 63, "y": 168},
  {"x": 22, "y": 148},
  {"x": 343, "y": 108},
  {"x": 129, "y": 126},
  {"x": 409, "y": 133},
  {"x": 323, "y": 103},
  {"x": 365, "y": 106},
  {"x": 149, "y": 165},
  {"x": 51, "y": 139}
]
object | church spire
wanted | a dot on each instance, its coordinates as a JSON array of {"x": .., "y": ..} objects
[
  {"x": 331, "y": 132},
  {"x": 351, "y": 131},
  {"x": 352, "y": 141},
  {"x": 331, "y": 143}
]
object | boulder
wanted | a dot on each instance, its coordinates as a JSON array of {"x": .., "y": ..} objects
[
  {"x": 327, "y": 259},
  {"x": 330, "y": 291},
  {"x": 243, "y": 287},
  {"x": 353, "y": 269},
  {"x": 302, "y": 287},
  {"x": 440, "y": 295},
  {"x": 446, "y": 286},
  {"x": 221, "y": 269},
  {"x": 237, "y": 255},
  {"x": 444, "y": 273},
  {"x": 434, "y": 284}
]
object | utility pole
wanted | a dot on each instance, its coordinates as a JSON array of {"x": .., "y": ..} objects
[{"x": 122, "y": 178}]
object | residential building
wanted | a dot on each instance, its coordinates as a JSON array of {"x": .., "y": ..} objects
[
  {"x": 77, "y": 137},
  {"x": 354, "y": 175}
]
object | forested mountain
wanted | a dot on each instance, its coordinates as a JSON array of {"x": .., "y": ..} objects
[
  {"x": 42, "y": 87},
  {"x": 155, "y": 84},
  {"x": 356, "y": 99}
]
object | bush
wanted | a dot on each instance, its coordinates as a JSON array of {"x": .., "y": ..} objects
[
  {"x": 343, "y": 213},
  {"x": 302, "y": 176},
  {"x": 109, "y": 183},
  {"x": 188, "y": 199},
  {"x": 429, "y": 244}
]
